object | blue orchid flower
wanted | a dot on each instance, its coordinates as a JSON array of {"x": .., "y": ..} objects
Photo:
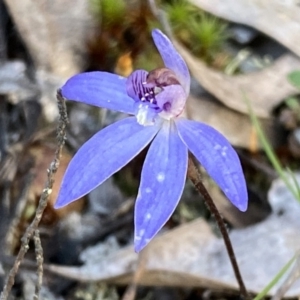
[{"x": 156, "y": 101}]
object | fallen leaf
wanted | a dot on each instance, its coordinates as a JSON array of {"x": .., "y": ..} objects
[
  {"x": 192, "y": 256},
  {"x": 229, "y": 122},
  {"x": 54, "y": 32},
  {"x": 43, "y": 155},
  {"x": 15, "y": 83},
  {"x": 276, "y": 18},
  {"x": 264, "y": 89}
]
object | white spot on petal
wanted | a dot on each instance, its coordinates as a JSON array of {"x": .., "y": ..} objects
[
  {"x": 148, "y": 216},
  {"x": 160, "y": 177},
  {"x": 144, "y": 115},
  {"x": 217, "y": 147},
  {"x": 223, "y": 153},
  {"x": 148, "y": 190},
  {"x": 140, "y": 235}
]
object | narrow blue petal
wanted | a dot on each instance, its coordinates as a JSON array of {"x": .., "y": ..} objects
[
  {"x": 172, "y": 58},
  {"x": 218, "y": 158},
  {"x": 162, "y": 183},
  {"x": 101, "y": 89},
  {"x": 103, "y": 155}
]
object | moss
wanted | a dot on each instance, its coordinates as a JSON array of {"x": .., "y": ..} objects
[{"x": 201, "y": 32}]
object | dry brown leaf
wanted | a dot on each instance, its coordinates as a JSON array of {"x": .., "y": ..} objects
[
  {"x": 231, "y": 90},
  {"x": 119, "y": 267},
  {"x": 236, "y": 126},
  {"x": 54, "y": 32},
  {"x": 264, "y": 89},
  {"x": 255, "y": 213},
  {"x": 191, "y": 255},
  {"x": 32, "y": 165},
  {"x": 276, "y": 18},
  {"x": 43, "y": 154}
]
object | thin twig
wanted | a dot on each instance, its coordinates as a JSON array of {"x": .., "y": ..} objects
[
  {"x": 131, "y": 290},
  {"x": 195, "y": 177},
  {"x": 39, "y": 261},
  {"x": 61, "y": 137}
]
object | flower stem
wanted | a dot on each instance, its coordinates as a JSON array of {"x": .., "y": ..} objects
[{"x": 195, "y": 177}]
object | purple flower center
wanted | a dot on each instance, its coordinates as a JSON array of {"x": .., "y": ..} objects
[
  {"x": 158, "y": 95},
  {"x": 144, "y": 93},
  {"x": 161, "y": 77}
]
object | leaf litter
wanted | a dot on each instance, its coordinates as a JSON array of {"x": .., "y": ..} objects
[{"x": 185, "y": 255}]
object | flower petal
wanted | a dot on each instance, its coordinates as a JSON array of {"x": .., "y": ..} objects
[
  {"x": 103, "y": 155},
  {"x": 172, "y": 58},
  {"x": 218, "y": 158},
  {"x": 134, "y": 85},
  {"x": 162, "y": 183},
  {"x": 101, "y": 89},
  {"x": 171, "y": 100}
]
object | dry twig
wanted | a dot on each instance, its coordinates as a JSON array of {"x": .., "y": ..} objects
[
  {"x": 39, "y": 261},
  {"x": 131, "y": 290},
  {"x": 61, "y": 137}
]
